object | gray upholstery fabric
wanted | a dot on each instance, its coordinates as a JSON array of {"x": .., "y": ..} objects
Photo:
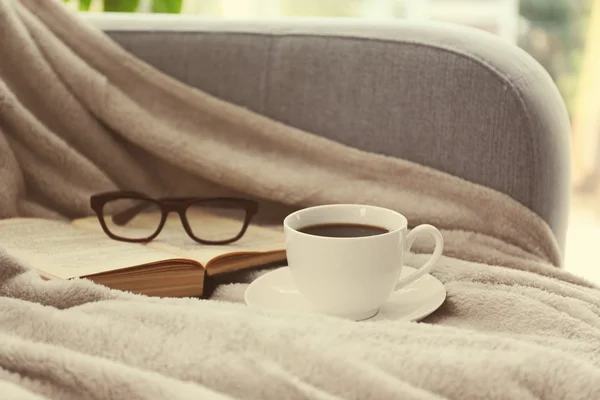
[{"x": 453, "y": 98}]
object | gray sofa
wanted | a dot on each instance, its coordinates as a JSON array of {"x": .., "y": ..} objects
[{"x": 450, "y": 97}]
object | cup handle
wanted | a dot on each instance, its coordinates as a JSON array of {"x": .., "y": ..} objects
[{"x": 437, "y": 253}]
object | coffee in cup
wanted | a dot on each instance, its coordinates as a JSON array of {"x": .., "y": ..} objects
[{"x": 343, "y": 230}]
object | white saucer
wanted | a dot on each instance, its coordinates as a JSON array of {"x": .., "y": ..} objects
[{"x": 276, "y": 290}]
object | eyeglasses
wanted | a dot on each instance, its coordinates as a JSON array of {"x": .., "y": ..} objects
[{"x": 135, "y": 217}]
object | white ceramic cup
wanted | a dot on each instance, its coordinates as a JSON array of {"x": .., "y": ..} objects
[{"x": 351, "y": 277}]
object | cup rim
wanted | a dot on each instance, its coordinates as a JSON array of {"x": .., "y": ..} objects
[{"x": 335, "y": 205}]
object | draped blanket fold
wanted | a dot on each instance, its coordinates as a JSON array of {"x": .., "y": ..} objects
[{"x": 79, "y": 115}]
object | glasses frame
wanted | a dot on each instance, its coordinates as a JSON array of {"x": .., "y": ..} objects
[{"x": 167, "y": 205}]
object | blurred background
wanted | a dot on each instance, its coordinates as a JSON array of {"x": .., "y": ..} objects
[{"x": 562, "y": 35}]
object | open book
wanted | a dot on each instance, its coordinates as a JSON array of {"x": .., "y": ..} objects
[{"x": 172, "y": 265}]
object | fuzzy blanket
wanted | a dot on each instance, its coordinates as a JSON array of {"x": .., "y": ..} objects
[{"x": 79, "y": 115}]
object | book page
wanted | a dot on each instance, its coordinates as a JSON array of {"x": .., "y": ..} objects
[
  {"x": 256, "y": 239},
  {"x": 174, "y": 239},
  {"x": 61, "y": 250}
]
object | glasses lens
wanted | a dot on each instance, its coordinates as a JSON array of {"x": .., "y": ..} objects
[
  {"x": 216, "y": 220},
  {"x": 132, "y": 218}
]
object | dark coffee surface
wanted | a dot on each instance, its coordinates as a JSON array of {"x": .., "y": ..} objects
[{"x": 343, "y": 230}]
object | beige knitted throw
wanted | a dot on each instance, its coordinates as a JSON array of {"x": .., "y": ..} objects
[{"x": 78, "y": 115}]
